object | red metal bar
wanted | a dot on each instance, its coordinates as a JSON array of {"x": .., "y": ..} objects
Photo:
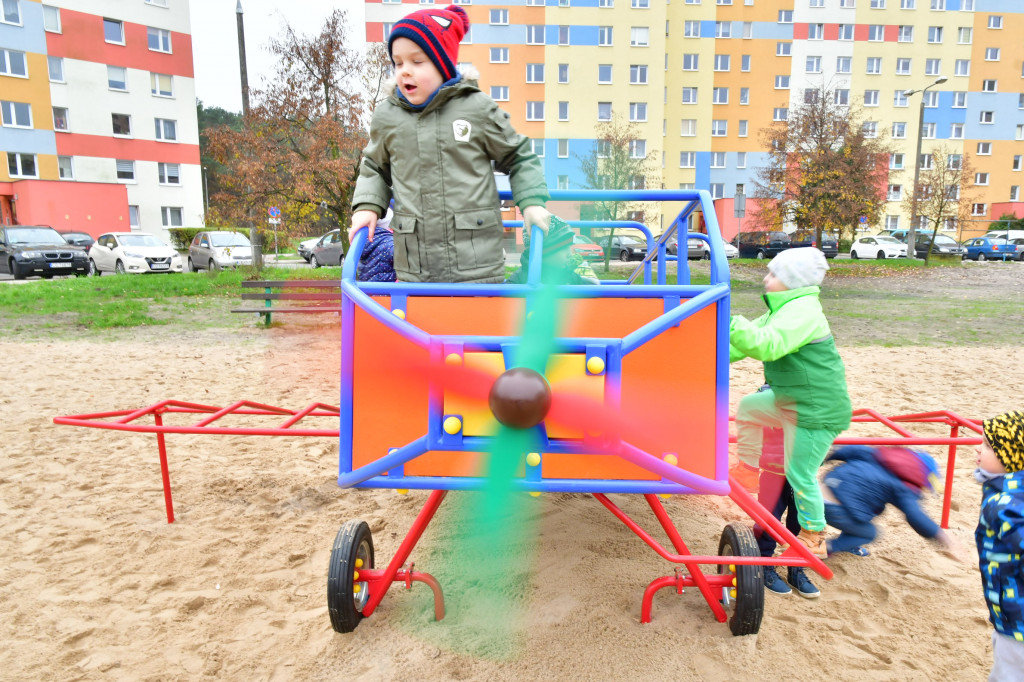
[
  {"x": 648, "y": 600},
  {"x": 165, "y": 472},
  {"x": 375, "y": 578},
  {"x": 677, "y": 541},
  {"x": 418, "y": 526},
  {"x": 947, "y": 494}
]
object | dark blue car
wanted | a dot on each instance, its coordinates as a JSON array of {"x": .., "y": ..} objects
[{"x": 983, "y": 248}]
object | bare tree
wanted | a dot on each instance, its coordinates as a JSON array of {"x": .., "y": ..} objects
[
  {"x": 618, "y": 162},
  {"x": 825, "y": 168},
  {"x": 942, "y": 195}
]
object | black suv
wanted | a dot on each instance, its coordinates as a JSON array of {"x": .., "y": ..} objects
[
  {"x": 829, "y": 244},
  {"x": 761, "y": 245},
  {"x": 27, "y": 250}
]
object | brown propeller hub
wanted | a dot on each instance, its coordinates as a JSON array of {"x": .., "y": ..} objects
[{"x": 520, "y": 398}]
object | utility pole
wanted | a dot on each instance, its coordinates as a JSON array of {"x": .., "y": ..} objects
[
  {"x": 254, "y": 236},
  {"x": 911, "y": 236}
]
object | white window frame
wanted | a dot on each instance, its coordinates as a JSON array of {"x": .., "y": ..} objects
[
  {"x": 780, "y": 114},
  {"x": 154, "y": 85},
  {"x": 722, "y": 62},
  {"x": 110, "y": 85},
  {"x": 844, "y": 64},
  {"x": 964, "y": 35},
  {"x": 535, "y": 110},
  {"x": 160, "y": 129},
  {"x": 164, "y": 175},
  {"x": 532, "y": 33},
  {"x": 933, "y": 67},
  {"x": 904, "y": 66},
  {"x": 815, "y": 31},
  {"x": 501, "y": 53},
  {"x": 563, "y": 110},
  {"x": 127, "y": 118},
  {"x": 812, "y": 64},
  {"x": 992, "y": 54},
  {"x": 498, "y": 17},
  {"x": 563, "y": 148},
  {"x": 691, "y": 62},
  {"x": 875, "y": 62},
  {"x": 535, "y": 73},
  {"x": 896, "y": 161},
  {"x": 871, "y": 98},
  {"x": 720, "y": 95},
  {"x": 783, "y": 48},
  {"x": 846, "y": 32},
  {"x": 688, "y": 127},
  {"x": 6, "y": 69},
  {"x": 120, "y": 24},
  {"x": 719, "y": 127},
  {"x": 15, "y": 21},
  {"x": 718, "y": 160},
  {"x": 690, "y": 94},
  {"x": 9, "y": 114},
  {"x": 984, "y": 149},
  {"x": 876, "y": 33},
  {"x": 744, "y": 96},
  {"x": 604, "y": 113},
  {"x": 638, "y": 149},
  {"x": 61, "y": 175},
  {"x": 995, "y": 22},
  {"x": 607, "y": 67},
  {"x": 19, "y": 164},
  {"x": 782, "y": 81},
  {"x": 639, "y": 36},
  {"x": 66, "y": 118},
  {"x": 605, "y": 36},
  {"x": 161, "y": 35},
  {"x": 121, "y": 166},
  {"x": 687, "y": 159},
  {"x": 51, "y": 19},
  {"x": 167, "y": 214},
  {"x": 499, "y": 93},
  {"x": 962, "y": 67},
  {"x": 691, "y": 29},
  {"x": 638, "y": 112},
  {"x": 638, "y": 74}
]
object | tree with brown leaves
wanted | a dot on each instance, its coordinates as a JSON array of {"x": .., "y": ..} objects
[
  {"x": 943, "y": 194},
  {"x": 825, "y": 169}
]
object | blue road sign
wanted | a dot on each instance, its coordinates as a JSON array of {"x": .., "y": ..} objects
[{"x": 274, "y": 212}]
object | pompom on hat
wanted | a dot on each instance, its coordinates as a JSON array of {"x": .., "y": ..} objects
[
  {"x": 797, "y": 268},
  {"x": 1005, "y": 434},
  {"x": 438, "y": 32}
]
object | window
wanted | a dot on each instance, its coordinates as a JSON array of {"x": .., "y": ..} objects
[
  {"x": 125, "y": 170},
  {"x": 604, "y": 73},
  {"x": 691, "y": 29},
  {"x": 21, "y": 165},
  {"x": 687, "y": 159},
  {"x": 928, "y": 131},
  {"x": 534, "y": 73},
  {"x": 689, "y": 95},
  {"x": 161, "y": 85},
  {"x": 874, "y": 65},
  {"x": 390, "y": 26},
  {"x": 932, "y": 67},
  {"x": 12, "y": 63},
  {"x": 780, "y": 114},
  {"x": 978, "y": 209},
  {"x": 563, "y": 149},
  {"x": 896, "y": 161},
  {"x": 64, "y": 168},
  {"x": 535, "y": 111},
  {"x": 168, "y": 173},
  {"x": 938, "y": 5},
  {"x": 717, "y": 190},
  {"x": 744, "y": 96},
  {"x": 563, "y": 182},
  {"x": 744, "y": 125},
  {"x": 995, "y": 21},
  {"x": 845, "y": 31},
  {"x": 689, "y": 127},
  {"x": 170, "y": 216},
  {"x": 12, "y": 15},
  {"x": 877, "y": 4},
  {"x": 842, "y": 96},
  {"x": 844, "y": 64},
  {"x": 899, "y": 99},
  {"x": 925, "y": 161},
  {"x": 847, "y": 4},
  {"x": 606, "y": 3},
  {"x": 722, "y": 62},
  {"x": 748, "y": 30},
  {"x": 723, "y": 29},
  {"x": 718, "y": 159},
  {"x": 817, "y": 3},
  {"x": 638, "y": 74},
  {"x": 60, "y": 118},
  {"x": 166, "y": 129},
  {"x": 720, "y": 95},
  {"x": 638, "y": 111},
  {"x": 158, "y": 39},
  {"x": 903, "y": 66},
  {"x": 639, "y": 36},
  {"x": 871, "y": 98},
  {"x": 991, "y": 54},
  {"x": 719, "y": 128},
  {"x": 1018, "y": 162},
  {"x": 122, "y": 125},
  {"x": 813, "y": 65},
  {"x": 113, "y": 31},
  {"x": 535, "y": 34},
  {"x": 870, "y": 128},
  {"x": 117, "y": 78},
  {"x": 16, "y": 114},
  {"x": 783, "y": 49},
  {"x": 892, "y": 222},
  {"x": 956, "y": 131},
  {"x": 640, "y": 4},
  {"x": 1020, "y": 132},
  {"x": 563, "y": 35},
  {"x": 990, "y": 86},
  {"x": 981, "y": 178},
  {"x": 604, "y": 111},
  {"x": 785, "y": 16},
  {"x": 499, "y": 93},
  {"x": 537, "y": 146},
  {"x": 782, "y": 82},
  {"x": 984, "y": 149},
  {"x": 966, "y": 5},
  {"x": 811, "y": 95},
  {"x": 963, "y": 35},
  {"x": 955, "y": 161},
  {"x": 908, "y": 4},
  {"x": 895, "y": 193},
  {"x": 815, "y": 31},
  {"x": 962, "y": 67},
  {"x": 986, "y": 117},
  {"x": 876, "y": 33},
  {"x": 499, "y": 17},
  {"x": 51, "y": 19},
  {"x": 899, "y": 130},
  {"x": 741, "y": 160},
  {"x": 604, "y": 35},
  {"x": 959, "y": 100},
  {"x": 563, "y": 111},
  {"x": 499, "y": 55},
  {"x": 1014, "y": 192},
  {"x": 638, "y": 149},
  {"x": 691, "y": 62}
]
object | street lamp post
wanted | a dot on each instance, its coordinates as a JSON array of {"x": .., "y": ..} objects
[{"x": 911, "y": 236}]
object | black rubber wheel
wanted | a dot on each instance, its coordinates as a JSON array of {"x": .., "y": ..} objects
[
  {"x": 747, "y": 607},
  {"x": 93, "y": 270},
  {"x": 624, "y": 256},
  {"x": 314, "y": 262},
  {"x": 341, "y": 261},
  {"x": 981, "y": 257},
  {"x": 854, "y": 256},
  {"x": 706, "y": 255},
  {"x": 192, "y": 266},
  {"x": 15, "y": 272},
  {"x": 880, "y": 255},
  {"x": 353, "y": 550},
  {"x": 761, "y": 255},
  {"x": 119, "y": 268},
  {"x": 212, "y": 266}
]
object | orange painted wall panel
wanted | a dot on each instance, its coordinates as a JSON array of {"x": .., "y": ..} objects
[
  {"x": 75, "y": 144},
  {"x": 90, "y": 207}
]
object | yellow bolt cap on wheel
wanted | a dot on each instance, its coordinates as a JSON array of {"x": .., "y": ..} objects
[
  {"x": 356, "y": 589},
  {"x": 453, "y": 359},
  {"x": 534, "y": 494},
  {"x": 732, "y": 593},
  {"x": 732, "y": 568},
  {"x": 402, "y": 491},
  {"x": 595, "y": 365},
  {"x": 355, "y": 576},
  {"x": 399, "y": 313},
  {"x": 359, "y": 563},
  {"x": 452, "y": 425},
  {"x": 734, "y": 582},
  {"x": 533, "y": 459},
  {"x": 671, "y": 459}
]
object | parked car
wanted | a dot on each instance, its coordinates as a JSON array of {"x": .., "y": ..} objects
[
  {"x": 132, "y": 252},
  {"x": 306, "y": 247},
  {"x": 78, "y": 239},
  {"x": 984, "y": 248},
  {"x": 1005, "y": 234},
  {"x": 624, "y": 248},
  {"x": 943, "y": 244},
  {"x": 761, "y": 245},
  {"x": 586, "y": 247},
  {"x": 27, "y": 250},
  {"x": 216, "y": 250},
  {"x": 878, "y": 247},
  {"x": 829, "y": 242},
  {"x": 329, "y": 250},
  {"x": 1019, "y": 245}
]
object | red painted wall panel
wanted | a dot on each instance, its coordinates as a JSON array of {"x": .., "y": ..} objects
[
  {"x": 82, "y": 38},
  {"x": 87, "y": 206},
  {"x": 74, "y": 144}
]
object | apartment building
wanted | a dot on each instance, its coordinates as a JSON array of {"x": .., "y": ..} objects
[
  {"x": 99, "y": 129},
  {"x": 702, "y": 78}
]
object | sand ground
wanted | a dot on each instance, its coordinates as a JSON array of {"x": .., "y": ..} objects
[{"x": 96, "y": 585}]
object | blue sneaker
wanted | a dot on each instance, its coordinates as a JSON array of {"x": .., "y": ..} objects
[
  {"x": 798, "y": 579},
  {"x": 774, "y": 583}
]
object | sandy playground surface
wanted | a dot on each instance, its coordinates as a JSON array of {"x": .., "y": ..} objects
[{"x": 96, "y": 585}]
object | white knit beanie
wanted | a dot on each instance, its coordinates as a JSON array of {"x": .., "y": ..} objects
[{"x": 796, "y": 268}]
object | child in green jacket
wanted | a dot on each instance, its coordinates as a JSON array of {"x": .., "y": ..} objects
[{"x": 806, "y": 395}]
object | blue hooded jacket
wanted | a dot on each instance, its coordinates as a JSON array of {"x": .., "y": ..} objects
[
  {"x": 864, "y": 487},
  {"x": 1000, "y": 538}
]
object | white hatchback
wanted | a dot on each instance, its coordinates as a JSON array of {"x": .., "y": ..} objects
[
  {"x": 132, "y": 252},
  {"x": 878, "y": 247}
]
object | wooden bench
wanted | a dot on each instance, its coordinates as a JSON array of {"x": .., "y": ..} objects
[{"x": 297, "y": 295}]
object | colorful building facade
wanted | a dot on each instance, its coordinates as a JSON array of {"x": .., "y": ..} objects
[
  {"x": 99, "y": 130},
  {"x": 703, "y": 78}
]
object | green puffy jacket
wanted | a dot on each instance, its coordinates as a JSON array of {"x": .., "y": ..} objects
[
  {"x": 436, "y": 163},
  {"x": 801, "y": 362}
]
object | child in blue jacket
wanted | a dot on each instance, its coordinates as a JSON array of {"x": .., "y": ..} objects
[
  {"x": 867, "y": 479},
  {"x": 1000, "y": 538}
]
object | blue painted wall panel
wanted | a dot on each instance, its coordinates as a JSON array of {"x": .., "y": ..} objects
[
  {"x": 27, "y": 141},
  {"x": 29, "y": 37}
]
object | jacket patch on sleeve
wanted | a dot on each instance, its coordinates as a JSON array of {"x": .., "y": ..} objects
[{"x": 462, "y": 129}]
